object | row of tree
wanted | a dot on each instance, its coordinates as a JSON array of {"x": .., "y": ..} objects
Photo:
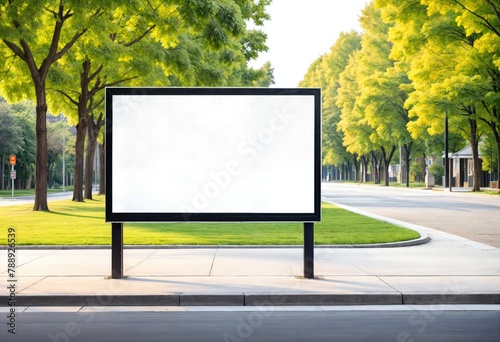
[
  {"x": 62, "y": 55},
  {"x": 17, "y": 136},
  {"x": 416, "y": 62}
]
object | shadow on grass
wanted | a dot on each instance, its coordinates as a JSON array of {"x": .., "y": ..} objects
[{"x": 74, "y": 215}]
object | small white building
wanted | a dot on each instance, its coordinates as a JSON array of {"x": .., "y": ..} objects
[{"x": 462, "y": 168}]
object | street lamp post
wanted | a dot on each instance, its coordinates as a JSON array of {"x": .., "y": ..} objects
[
  {"x": 446, "y": 158},
  {"x": 448, "y": 168},
  {"x": 64, "y": 159}
]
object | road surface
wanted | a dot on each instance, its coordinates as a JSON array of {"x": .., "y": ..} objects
[
  {"x": 470, "y": 215},
  {"x": 260, "y": 324},
  {"x": 56, "y": 196}
]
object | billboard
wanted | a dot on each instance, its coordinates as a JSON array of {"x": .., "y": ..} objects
[{"x": 213, "y": 154}]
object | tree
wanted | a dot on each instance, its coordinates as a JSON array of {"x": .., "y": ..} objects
[
  {"x": 371, "y": 95},
  {"x": 482, "y": 18},
  {"x": 35, "y": 35},
  {"x": 355, "y": 129},
  {"x": 103, "y": 58},
  {"x": 384, "y": 90},
  {"x": 151, "y": 45},
  {"x": 325, "y": 73},
  {"x": 477, "y": 27},
  {"x": 453, "y": 48}
]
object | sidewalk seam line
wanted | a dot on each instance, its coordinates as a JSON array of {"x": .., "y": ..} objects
[
  {"x": 140, "y": 263},
  {"x": 392, "y": 287},
  {"x": 43, "y": 278},
  {"x": 213, "y": 261},
  {"x": 41, "y": 256}
]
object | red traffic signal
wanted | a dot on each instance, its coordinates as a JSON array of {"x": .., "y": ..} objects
[{"x": 13, "y": 159}]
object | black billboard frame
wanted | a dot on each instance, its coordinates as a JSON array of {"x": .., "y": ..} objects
[{"x": 117, "y": 220}]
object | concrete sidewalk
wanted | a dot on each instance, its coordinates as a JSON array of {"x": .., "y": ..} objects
[{"x": 447, "y": 270}]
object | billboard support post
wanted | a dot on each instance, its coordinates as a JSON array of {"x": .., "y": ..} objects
[
  {"x": 308, "y": 250},
  {"x": 117, "y": 250}
]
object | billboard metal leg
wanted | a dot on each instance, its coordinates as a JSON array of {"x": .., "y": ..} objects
[
  {"x": 308, "y": 250},
  {"x": 116, "y": 250}
]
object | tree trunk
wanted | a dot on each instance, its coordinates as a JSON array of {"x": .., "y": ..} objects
[
  {"x": 41, "y": 162},
  {"x": 407, "y": 148},
  {"x": 381, "y": 172},
  {"x": 102, "y": 169},
  {"x": 474, "y": 142},
  {"x": 364, "y": 163},
  {"x": 357, "y": 174},
  {"x": 89, "y": 159},
  {"x": 89, "y": 164},
  {"x": 386, "y": 158},
  {"x": 375, "y": 175},
  {"x": 81, "y": 129},
  {"x": 93, "y": 133},
  {"x": 79, "y": 150}
]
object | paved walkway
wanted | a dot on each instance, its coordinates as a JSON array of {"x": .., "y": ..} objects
[{"x": 447, "y": 270}]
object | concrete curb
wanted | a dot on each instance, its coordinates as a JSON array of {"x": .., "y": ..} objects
[
  {"x": 452, "y": 298},
  {"x": 419, "y": 241},
  {"x": 255, "y": 299}
]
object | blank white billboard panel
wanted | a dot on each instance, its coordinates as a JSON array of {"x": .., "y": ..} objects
[{"x": 212, "y": 154}]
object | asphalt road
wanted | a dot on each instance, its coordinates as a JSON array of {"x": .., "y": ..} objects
[
  {"x": 56, "y": 196},
  {"x": 470, "y": 215},
  {"x": 258, "y": 325}
]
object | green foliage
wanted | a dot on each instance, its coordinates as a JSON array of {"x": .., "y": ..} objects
[
  {"x": 453, "y": 65},
  {"x": 21, "y": 130},
  {"x": 64, "y": 53},
  {"x": 416, "y": 169},
  {"x": 437, "y": 171},
  {"x": 489, "y": 151},
  {"x": 418, "y": 60},
  {"x": 25, "y": 114},
  {"x": 10, "y": 130},
  {"x": 17, "y": 136},
  {"x": 325, "y": 73}
]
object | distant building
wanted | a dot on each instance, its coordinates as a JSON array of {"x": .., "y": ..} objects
[{"x": 462, "y": 169}]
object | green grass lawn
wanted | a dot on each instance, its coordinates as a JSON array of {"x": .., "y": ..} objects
[{"x": 70, "y": 223}]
